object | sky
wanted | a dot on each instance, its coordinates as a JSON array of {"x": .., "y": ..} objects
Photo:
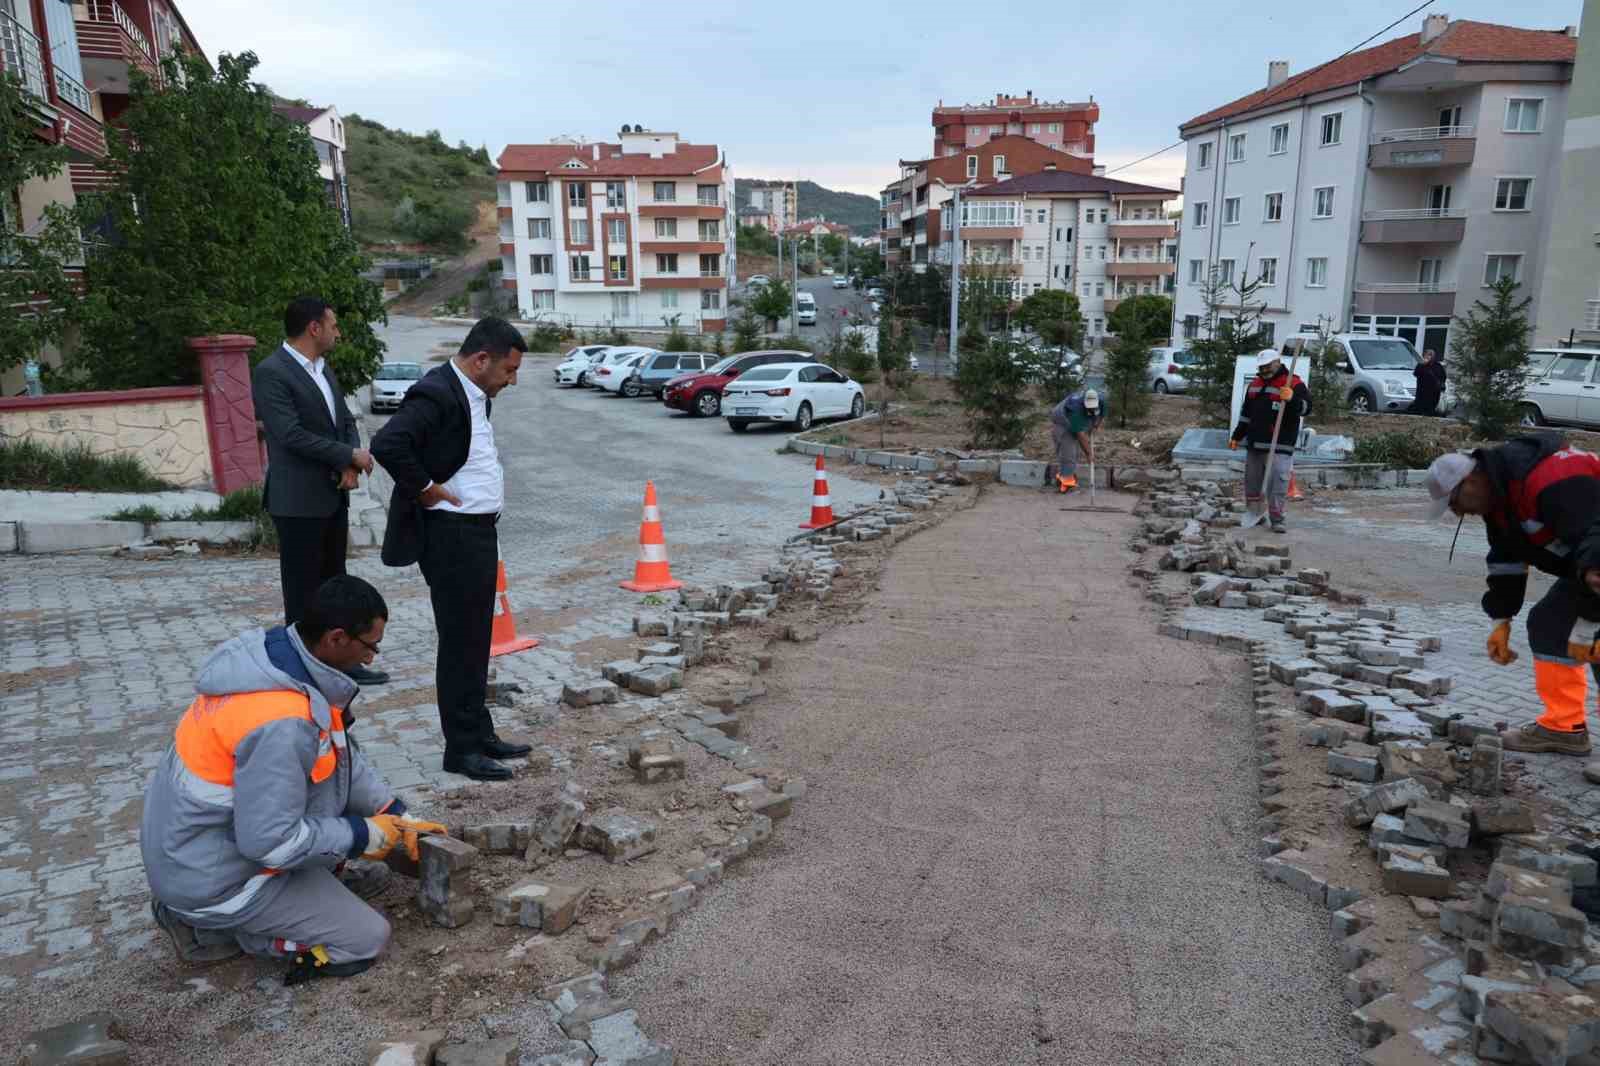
[{"x": 833, "y": 92}]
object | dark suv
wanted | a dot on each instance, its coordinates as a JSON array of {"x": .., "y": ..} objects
[
  {"x": 701, "y": 394},
  {"x": 655, "y": 371}
]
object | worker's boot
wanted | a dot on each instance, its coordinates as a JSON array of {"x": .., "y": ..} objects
[
  {"x": 1066, "y": 484},
  {"x": 312, "y": 962},
  {"x": 1277, "y": 523},
  {"x": 187, "y": 940},
  {"x": 1562, "y": 729},
  {"x": 1533, "y": 737}
]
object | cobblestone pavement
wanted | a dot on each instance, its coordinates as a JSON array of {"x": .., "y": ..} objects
[{"x": 98, "y": 653}]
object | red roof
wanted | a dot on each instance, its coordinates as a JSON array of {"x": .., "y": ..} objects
[
  {"x": 546, "y": 158},
  {"x": 296, "y": 113},
  {"x": 1066, "y": 182},
  {"x": 1464, "y": 41}
]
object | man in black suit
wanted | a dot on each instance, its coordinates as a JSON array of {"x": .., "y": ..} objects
[
  {"x": 449, "y": 490},
  {"x": 314, "y": 457}
]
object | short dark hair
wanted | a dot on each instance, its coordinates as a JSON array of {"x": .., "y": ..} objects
[
  {"x": 301, "y": 312},
  {"x": 342, "y": 602},
  {"x": 493, "y": 335}
]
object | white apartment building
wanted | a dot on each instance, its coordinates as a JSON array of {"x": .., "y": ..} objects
[
  {"x": 637, "y": 233},
  {"x": 1100, "y": 238},
  {"x": 327, "y": 137},
  {"x": 780, "y": 199},
  {"x": 1381, "y": 192}
]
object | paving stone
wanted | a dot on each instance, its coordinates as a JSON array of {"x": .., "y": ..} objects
[
  {"x": 1508, "y": 880},
  {"x": 1552, "y": 1028},
  {"x": 1438, "y": 823},
  {"x": 576, "y": 1053},
  {"x": 1332, "y": 733},
  {"x": 1547, "y": 921},
  {"x": 557, "y": 831},
  {"x": 499, "y": 838},
  {"x": 1330, "y": 703},
  {"x": 1412, "y": 872},
  {"x": 441, "y": 895},
  {"x": 617, "y": 1040},
  {"x": 1423, "y": 683},
  {"x": 1387, "y": 829},
  {"x": 662, "y": 648},
  {"x": 1484, "y": 775},
  {"x": 536, "y": 904},
  {"x": 1355, "y": 761},
  {"x": 484, "y": 1053},
  {"x": 1316, "y": 681},
  {"x": 1492, "y": 817},
  {"x": 589, "y": 693},
  {"x": 1398, "y": 725},
  {"x": 93, "y": 1040},
  {"x": 1373, "y": 654},
  {"x": 406, "y": 1049},
  {"x": 1380, "y": 614},
  {"x": 655, "y": 680},
  {"x": 1382, "y": 799},
  {"x": 1380, "y": 676},
  {"x": 616, "y": 672},
  {"x": 1460, "y": 919},
  {"x": 618, "y": 836},
  {"x": 1293, "y": 868},
  {"x": 1545, "y": 854},
  {"x": 1475, "y": 989},
  {"x": 1286, "y": 670},
  {"x": 1342, "y": 665},
  {"x": 646, "y": 625}
]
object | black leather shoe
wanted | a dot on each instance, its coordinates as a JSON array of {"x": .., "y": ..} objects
[
  {"x": 477, "y": 766},
  {"x": 362, "y": 676},
  {"x": 496, "y": 748}
]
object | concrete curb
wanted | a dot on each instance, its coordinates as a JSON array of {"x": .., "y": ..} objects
[
  {"x": 1332, "y": 477},
  {"x": 51, "y": 538}
]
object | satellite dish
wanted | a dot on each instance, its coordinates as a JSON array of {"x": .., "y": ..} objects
[{"x": 626, "y": 128}]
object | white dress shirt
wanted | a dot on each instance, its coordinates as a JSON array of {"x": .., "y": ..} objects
[
  {"x": 480, "y": 484},
  {"x": 314, "y": 368}
]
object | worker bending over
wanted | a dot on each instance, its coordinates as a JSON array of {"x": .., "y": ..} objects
[
  {"x": 261, "y": 797},
  {"x": 1539, "y": 500},
  {"x": 1073, "y": 422},
  {"x": 1273, "y": 388}
]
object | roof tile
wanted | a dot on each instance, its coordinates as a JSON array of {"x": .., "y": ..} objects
[
  {"x": 1065, "y": 181},
  {"x": 688, "y": 159}
]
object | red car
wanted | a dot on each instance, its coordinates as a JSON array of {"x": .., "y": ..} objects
[{"x": 701, "y": 394}]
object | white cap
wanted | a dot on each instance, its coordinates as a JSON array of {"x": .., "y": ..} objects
[
  {"x": 1266, "y": 357},
  {"x": 1445, "y": 474},
  {"x": 1091, "y": 401}
]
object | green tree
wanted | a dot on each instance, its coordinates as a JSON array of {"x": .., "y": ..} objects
[
  {"x": 1148, "y": 314},
  {"x": 1054, "y": 315},
  {"x": 1126, "y": 365},
  {"x": 747, "y": 332},
  {"x": 35, "y": 287},
  {"x": 1232, "y": 326},
  {"x": 894, "y": 362},
  {"x": 1321, "y": 376},
  {"x": 1490, "y": 346},
  {"x": 676, "y": 340},
  {"x": 220, "y": 219},
  {"x": 772, "y": 302},
  {"x": 848, "y": 352},
  {"x": 992, "y": 384}
]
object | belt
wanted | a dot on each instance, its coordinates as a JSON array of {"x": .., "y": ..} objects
[{"x": 471, "y": 519}]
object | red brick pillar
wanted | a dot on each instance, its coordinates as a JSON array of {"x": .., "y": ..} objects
[{"x": 230, "y": 412}]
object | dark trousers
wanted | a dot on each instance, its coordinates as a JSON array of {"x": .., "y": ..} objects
[
  {"x": 460, "y": 554},
  {"x": 310, "y": 551},
  {"x": 1552, "y": 619}
]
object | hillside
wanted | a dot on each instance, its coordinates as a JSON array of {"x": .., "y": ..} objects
[
  {"x": 858, "y": 212},
  {"x": 411, "y": 192}
]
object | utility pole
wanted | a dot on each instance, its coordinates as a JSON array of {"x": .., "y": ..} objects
[
  {"x": 794, "y": 290},
  {"x": 955, "y": 273}
]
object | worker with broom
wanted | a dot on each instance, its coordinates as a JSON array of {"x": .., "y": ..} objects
[
  {"x": 1073, "y": 422},
  {"x": 1269, "y": 423}
]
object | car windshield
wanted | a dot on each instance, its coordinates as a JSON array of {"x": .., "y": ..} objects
[
  {"x": 766, "y": 373},
  {"x": 1384, "y": 353},
  {"x": 399, "y": 372},
  {"x": 1185, "y": 359},
  {"x": 722, "y": 366}
]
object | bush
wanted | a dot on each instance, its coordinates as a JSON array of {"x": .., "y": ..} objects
[
  {"x": 26, "y": 464},
  {"x": 618, "y": 338},
  {"x": 677, "y": 341},
  {"x": 794, "y": 343},
  {"x": 1126, "y": 366},
  {"x": 1399, "y": 450},
  {"x": 548, "y": 337},
  {"x": 848, "y": 352},
  {"x": 993, "y": 386}
]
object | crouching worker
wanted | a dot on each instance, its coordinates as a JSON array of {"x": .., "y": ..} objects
[{"x": 261, "y": 798}]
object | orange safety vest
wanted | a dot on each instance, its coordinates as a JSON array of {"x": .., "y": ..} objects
[{"x": 211, "y": 729}]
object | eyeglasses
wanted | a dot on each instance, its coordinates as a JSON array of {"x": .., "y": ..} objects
[{"x": 373, "y": 648}]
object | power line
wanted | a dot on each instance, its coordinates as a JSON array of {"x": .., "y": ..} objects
[{"x": 1292, "y": 81}]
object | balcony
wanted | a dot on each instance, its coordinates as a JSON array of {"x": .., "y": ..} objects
[
  {"x": 111, "y": 44},
  {"x": 1591, "y": 316},
  {"x": 1423, "y": 146},
  {"x": 1142, "y": 228},
  {"x": 1422, "y": 225},
  {"x": 1404, "y": 298},
  {"x": 1139, "y": 268},
  {"x": 20, "y": 56}
]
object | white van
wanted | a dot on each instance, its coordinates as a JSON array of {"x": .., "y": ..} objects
[
  {"x": 805, "y": 309},
  {"x": 1374, "y": 371}
]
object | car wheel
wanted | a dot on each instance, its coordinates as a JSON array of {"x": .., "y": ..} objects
[
  {"x": 738, "y": 425},
  {"x": 1530, "y": 415},
  {"x": 583, "y": 379},
  {"x": 1363, "y": 402},
  {"x": 858, "y": 406},
  {"x": 708, "y": 404},
  {"x": 630, "y": 389},
  {"x": 802, "y": 418},
  {"x": 657, "y": 394},
  {"x": 1160, "y": 387}
]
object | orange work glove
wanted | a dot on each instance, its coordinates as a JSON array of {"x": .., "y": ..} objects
[
  {"x": 1500, "y": 643},
  {"x": 1286, "y": 394},
  {"x": 1584, "y": 653},
  {"x": 1233, "y": 445},
  {"x": 387, "y": 831}
]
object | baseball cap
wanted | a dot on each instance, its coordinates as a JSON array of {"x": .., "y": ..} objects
[
  {"x": 1091, "y": 401},
  {"x": 1444, "y": 475}
]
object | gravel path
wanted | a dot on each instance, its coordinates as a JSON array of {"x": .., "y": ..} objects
[{"x": 1030, "y": 836}]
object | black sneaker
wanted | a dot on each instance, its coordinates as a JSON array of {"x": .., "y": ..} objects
[{"x": 186, "y": 940}]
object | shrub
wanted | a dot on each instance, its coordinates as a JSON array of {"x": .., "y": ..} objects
[
  {"x": 993, "y": 386},
  {"x": 548, "y": 337},
  {"x": 1399, "y": 450},
  {"x": 1126, "y": 366},
  {"x": 1490, "y": 345},
  {"x": 677, "y": 340},
  {"x": 848, "y": 352},
  {"x": 27, "y": 464},
  {"x": 617, "y": 337}
]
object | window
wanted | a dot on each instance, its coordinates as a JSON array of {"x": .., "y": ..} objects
[
  {"x": 1099, "y": 288},
  {"x": 667, "y": 263},
  {"x": 1225, "y": 271},
  {"x": 617, "y": 267},
  {"x": 1332, "y": 128},
  {"x": 1204, "y": 159},
  {"x": 1191, "y": 327},
  {"x": 1511, "y": 194},
  {"x": 1104, "y": 215},
  {"x": 579, "y": 230},
  {"x": 1322, "y": 202},
  {"x": 539, "y": 229},
  {"x": 577, "y": 194},
  {"x": 710, "y": 229},
  {"x": 544, "y": 299},
  {"x": 1428, "y": 271},
  {"x": 1055, "y": 127},
  {"x": 616, "y": 194},
  {"x": 666, "y": 227},
  {"x": 972, "y": 166},
  {"x": 995, "y": 131},
  {"x": 1280, "y": 139},
  {"x": 537, "y": 192},
  {"x": 1087, "y": 289},
  {"x": 541, "y": 264},
  {"x": 1102, "y": 250},
  {"x": 1269, "y": 271},
  {"x": 580, "y": 268},
  {"x": 711, "y": 266},
  {"x": 666, "y": 192},
  {"x": 1266, "y": 334},
  {"x": 999, "y": 165},
  {"x": 1236, "y": 148},
  {"x": 1501, "y": 266},
  {"x": 1197, "y": 271},
  {"x": 664, "y": 362},
  {"x": 1230, "y": 211},
  {"x": 710, "y": 299},
  {"x": 1524, "y": 115},
  {"x": 617, "y": 230},
  {"x": 1099, "y": 326},
  {"x": 669, "y": 297},
  {"x": 1317, "y": 273},
  {"x": 708, "y": 194},
  {"x": 1202, "y": 214}
]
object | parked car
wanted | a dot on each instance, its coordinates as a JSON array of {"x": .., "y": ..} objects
[
  {"x": 574, "y": 369},
  {"x": 757, "y": 279},
  {"x": 1165, "y": 372},
  {"x": 1068, "y": 359},
  {"x": 656, "y": 370},
  {"x": 701, "y": 394},
  {"x": 605, "y": 366},
  {"x": 827, "y": 272},
  {"x": 1563, "y": 387},
  {"x": 391, "y": 384},
  {"x": 614, "y": 378},
  {"x": 796, "y": 393},
  {"x": 1374, "y": 371},
  {"x": 805, "y": 309},
  {"x": 875, "y": 292},
  {"x": 840, "y": 281}
]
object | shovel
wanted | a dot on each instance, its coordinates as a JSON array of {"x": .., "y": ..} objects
[{"x": 1252, "y": 518}]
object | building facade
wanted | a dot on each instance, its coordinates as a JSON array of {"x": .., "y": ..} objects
[
  {"x": 1101, "y": 239},
  {"x": 1065, "y": 127},
  {"x": 327, "y": 137},
  {"x": 633, "y": 233},
  {"x": 1384, "y": 191},
  {"x": 779, "y": 199},
  {"x": 1569, "y": 295}
]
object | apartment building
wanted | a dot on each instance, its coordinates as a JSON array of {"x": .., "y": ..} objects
[
  {"x": 1098, "y": 237},
  {"x": 779, "y": 199},
  {"x": 1569, "y": 294},
  {"x": 74, "y": 60},
  {"x": 1383, "y": 191},
  {"x": 633, "y": 233},
  {"x": 1063, "y": 126},
  {"x": 327, "y": 137}
]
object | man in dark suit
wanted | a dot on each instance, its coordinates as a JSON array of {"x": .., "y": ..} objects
[
  {"x": 449, "y": 490},
  {"x": 314, "y": 457}
]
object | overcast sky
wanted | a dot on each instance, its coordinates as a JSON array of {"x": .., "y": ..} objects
[{"x": 836, "y": 92}]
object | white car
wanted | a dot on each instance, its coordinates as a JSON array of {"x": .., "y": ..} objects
[
  {"x": 827, "y": 272},
  {"x": 840, "y": 281},
  {"x": 757, "y": 279},
  {"x": 610, "y": 378},
  {"x": 797, "y": 393},
  {"x": 391, "y": 384},
  {"x": 604, "y": 367},
  {"x": 875, "y": 292},
  {"x": 1166, "y": 370},
  {"x": 574, "y": 370}
]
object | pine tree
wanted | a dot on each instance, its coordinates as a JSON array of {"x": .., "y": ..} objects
[
  {"x": 1490, "y": 346},
  {"x": 1227, "y": 337},
  {"x": 1127, "y": 364}
]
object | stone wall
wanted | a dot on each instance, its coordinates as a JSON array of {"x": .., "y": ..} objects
[{"x": 165, "y": 428}]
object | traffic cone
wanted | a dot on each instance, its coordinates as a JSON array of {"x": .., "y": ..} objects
[
  {"x": 1294, "y": 488},
  {"x": 821, "y": 503},
  {"x": 651, "y": 573},
  {"x": 503, "y": 639}
]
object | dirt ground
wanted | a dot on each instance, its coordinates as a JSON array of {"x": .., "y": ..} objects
[{"x": 450, "y": 277}]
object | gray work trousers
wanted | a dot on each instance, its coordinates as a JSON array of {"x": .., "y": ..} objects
[
  {"x": 1066, "y": 443},
  {"x": 313, "y": 908},
  {"x": 1255, "y": 468}
]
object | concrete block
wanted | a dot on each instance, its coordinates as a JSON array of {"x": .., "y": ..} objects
[
  {"x": 1286, "y": 670},
  {"x": 499, "y": 838},
  {"x": 406, "y": 1049},
  {"x": 93, "y": 1040},
  {"x": 1023, "y": 473},
  {"x": 44, "y": 538},
  {"x": 1332, "y": 733},
  {"x": 1484, "y": 772},
  {"x": 441, "y": 894},
  {"x": 589, "y": 693},
  {"x": 483, "y": 1053},
  {"x": 1424, "y": 683},
  {"x": 1507, "y": 880},
  {"x": 1493, "y": 817},
  {"x": 617, "y": 1039},
  {"x": 1546, "y": 854},
  {"x": 206, "y": 532},
  {"x": 1383, "y": 799},
  {"x": 1354, "y": 761},
  {"x": 8, "y": 537},
  {"x": 535, "y": 904},
  {"x": 1415, "y": 874},
  {"x": 1438, "y": 823},
  {"x": 618, "y": 836}
]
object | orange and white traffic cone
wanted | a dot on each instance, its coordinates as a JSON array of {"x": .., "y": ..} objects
[
  {"x": 821, "y": 502},
  {"x": 503, "y": 639},
  {"x": 651, "y": 573}
]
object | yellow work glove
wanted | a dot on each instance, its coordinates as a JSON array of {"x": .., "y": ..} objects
[
  {"x": 387, "y": 831},
  {"x": 1500, "y": 644},
  {"x": 1233, "y": 445},
  {"x": 1286, "y": 393}
]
